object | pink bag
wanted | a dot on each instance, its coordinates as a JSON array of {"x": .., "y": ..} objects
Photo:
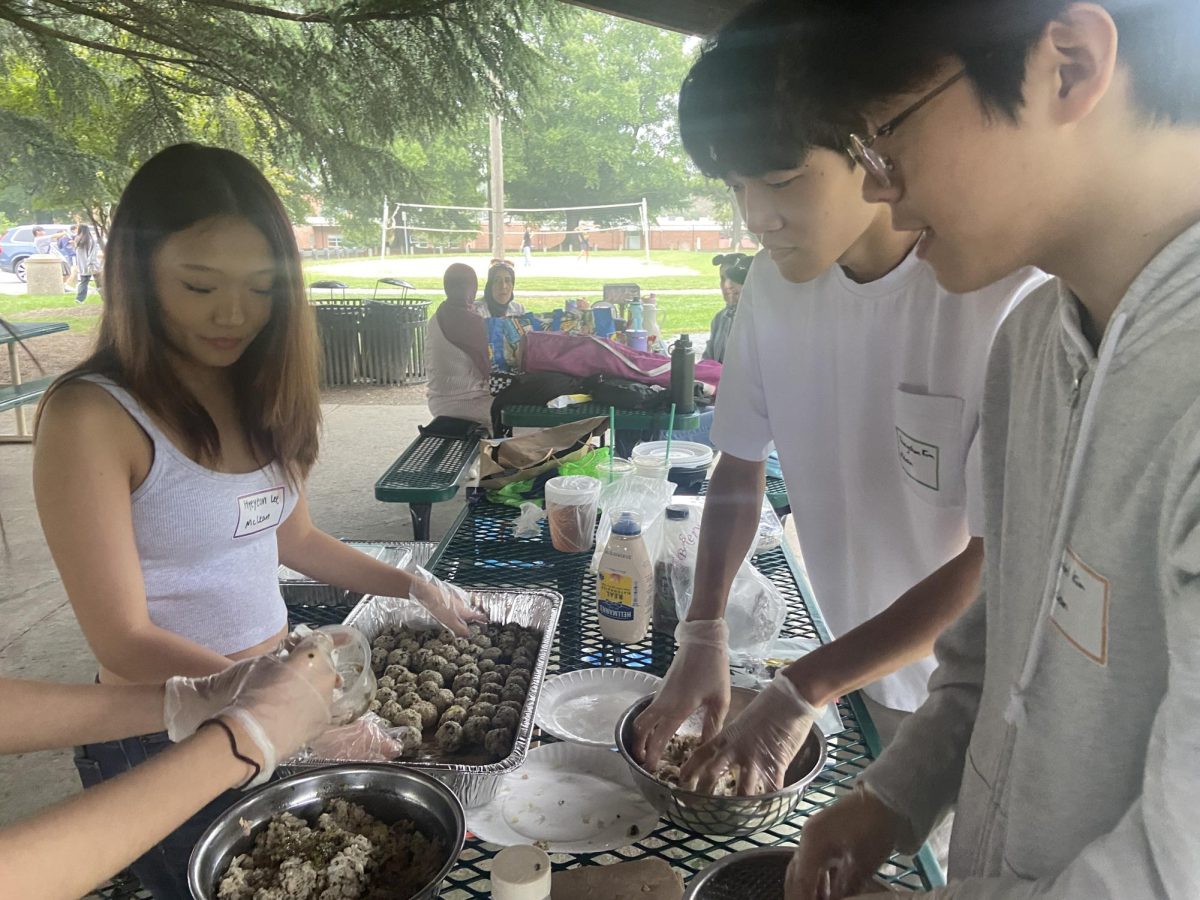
[{"x": 584, "y": 355}]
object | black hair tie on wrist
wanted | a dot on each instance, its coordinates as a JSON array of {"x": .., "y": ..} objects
[{"x": 233, "y": 748}]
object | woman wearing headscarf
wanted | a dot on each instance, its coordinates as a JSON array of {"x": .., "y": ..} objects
[
  {"x": 458, "y": 355},
  {"x": 734, "y": 268},
  {"x": 498, "y": 299}
]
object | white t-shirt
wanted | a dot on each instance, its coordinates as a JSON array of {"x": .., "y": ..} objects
[{"x": 871, "y": 394}]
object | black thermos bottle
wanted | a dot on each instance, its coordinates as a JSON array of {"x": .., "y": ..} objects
[{"x": 683, "y": 375}]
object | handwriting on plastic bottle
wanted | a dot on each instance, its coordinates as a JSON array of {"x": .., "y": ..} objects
[{"x": 259, "y": 511}]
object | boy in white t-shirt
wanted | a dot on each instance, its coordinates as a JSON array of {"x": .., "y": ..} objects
[{"x": 867, "y": 376}]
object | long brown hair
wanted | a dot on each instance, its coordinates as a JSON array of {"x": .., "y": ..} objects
[{"x": 276, "y": 379}]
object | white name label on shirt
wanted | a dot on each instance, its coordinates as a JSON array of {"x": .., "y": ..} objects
[
  {"x": 918, "y": 459},
  {"x": 259, "y": 511},
  {"x": 1080, "y": 609}
]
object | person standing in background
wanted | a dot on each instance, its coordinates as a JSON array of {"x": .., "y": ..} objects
[
  {"x": 87, "y": 260},
  {"x": 734, "y": 269},
  {"x": 527, "y": 247}
]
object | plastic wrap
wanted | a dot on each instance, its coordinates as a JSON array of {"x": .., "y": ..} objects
[{"x": 647, "y": 497}]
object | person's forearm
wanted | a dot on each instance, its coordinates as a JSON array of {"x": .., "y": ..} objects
[
  {"x": 62, "y": 715},
  {"x": 732, "y": 511},
  {"x": 151, "y": 655},
  {"x": 326, "y": 559},
  {"x": 66, "y": 850},
  {"x": 901, "y": 634}
]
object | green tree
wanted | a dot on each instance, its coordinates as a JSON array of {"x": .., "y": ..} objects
[
  {"x": 601, "y": 127},
  {"x": 316, "y": 91}
]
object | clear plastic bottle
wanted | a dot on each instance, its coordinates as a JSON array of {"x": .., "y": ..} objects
[
  {"x": 625, "y": 582},
  {"x": 671, "y": 563}
]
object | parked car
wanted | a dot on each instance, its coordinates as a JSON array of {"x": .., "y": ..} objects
[{"x": 16, "y": 245}]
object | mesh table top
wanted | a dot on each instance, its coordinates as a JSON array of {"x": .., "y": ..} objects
[{"x": 481, "y": 552}]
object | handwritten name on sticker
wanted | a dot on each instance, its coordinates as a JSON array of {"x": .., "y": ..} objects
[
  {"x": 918, "y": 459},
  {"x": 259, "y": 511},
  {"x": 1080, "y": 610}
]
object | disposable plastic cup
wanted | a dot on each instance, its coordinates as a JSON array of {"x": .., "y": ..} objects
[
  {"x": 571, "y": 505},
  {"x": 655, "y": 469},
  {"x": 620, "y": 468},
  {"x": 352, "y": 661}
]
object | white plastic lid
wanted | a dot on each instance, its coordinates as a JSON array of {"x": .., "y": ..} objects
[
  {"x": 688, "y": 455},
  {"x": 572, "y": 490}
]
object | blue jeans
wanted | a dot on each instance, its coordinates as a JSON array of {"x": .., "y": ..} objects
[
  {"x": 162, "y": 870},
  {"x": 81, "y": 294}
]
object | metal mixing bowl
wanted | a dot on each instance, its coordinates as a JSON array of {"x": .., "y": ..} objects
[
  {"x": 757, "y": 874},
  {"x": 749, "y": 875},
  {"x": 705, "y": 814},
  {"x": 389, "y": 793}
]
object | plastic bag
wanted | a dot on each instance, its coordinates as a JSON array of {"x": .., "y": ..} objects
[
  {"x": 529, "y": 523},
  {"x": 754, "y": 613},
  {"x": 648, "y": 497}
]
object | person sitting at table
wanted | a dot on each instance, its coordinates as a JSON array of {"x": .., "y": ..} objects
[
  {"x": 170, "y": 465},
  {"x": 458, "y": 385},
  {"x": 498, "y": 292},
  {"x": 232, "y": 728},
  {"x": 734, "y": 268}
]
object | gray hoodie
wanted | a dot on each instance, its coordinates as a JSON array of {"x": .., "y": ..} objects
[{"x": 1064, "y": 717}]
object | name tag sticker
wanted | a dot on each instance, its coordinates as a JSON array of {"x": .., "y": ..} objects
[
  {"x": 1081, "y": 607},
  {"x": 918, "y": 459},
  {"x": 260, "y": 511}
]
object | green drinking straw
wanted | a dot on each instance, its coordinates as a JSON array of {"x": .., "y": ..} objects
[
  {"x": 612, "y": 440},
  {"x": 670, "y": 428}
]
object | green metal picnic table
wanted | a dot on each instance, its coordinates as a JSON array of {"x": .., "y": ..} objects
[
  {"x": 18, "y": 393},
  {"x": 481, "y": 552},
  {"x": 534, "y": 416}
]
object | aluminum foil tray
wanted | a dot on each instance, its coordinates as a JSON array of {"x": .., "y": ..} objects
[
  {"x": 299, "y": 590},
  {"x": 474, "y": 781}
]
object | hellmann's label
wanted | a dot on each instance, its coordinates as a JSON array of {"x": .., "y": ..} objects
[{"x": 615, "y": 593}]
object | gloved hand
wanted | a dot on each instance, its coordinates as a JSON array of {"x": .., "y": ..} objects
[
  {"x": 842, "y": 847},
  {"x": 363, "y": 740},
  {"x": 761, "y": 743},
  {"x": 280, "y": 704},
  {"x": 447, "y": 603},
  {"x": 697, "y": 679}
]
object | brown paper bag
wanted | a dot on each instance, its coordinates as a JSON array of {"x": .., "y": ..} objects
[{"x": 503, "y": 461}]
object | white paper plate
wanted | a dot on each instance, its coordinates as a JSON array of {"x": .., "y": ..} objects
[
  {"x": 568, "y": 798},
  {"x": 584, "y": 706}
]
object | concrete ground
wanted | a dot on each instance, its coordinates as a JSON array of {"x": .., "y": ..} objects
[{"x": 39, "y": 637}]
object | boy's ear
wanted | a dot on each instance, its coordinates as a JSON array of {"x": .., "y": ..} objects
[{"x": 1079, "y": 53}]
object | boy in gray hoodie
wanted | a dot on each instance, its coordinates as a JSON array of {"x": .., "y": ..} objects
[{"x": 1063, "y": 722}]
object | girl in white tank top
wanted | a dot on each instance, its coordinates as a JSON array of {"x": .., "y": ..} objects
[{"x": 169, "y": 467}]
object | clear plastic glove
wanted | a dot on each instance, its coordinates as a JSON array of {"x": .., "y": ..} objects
[
  {"x": 363, "y": 740},
  {"x": 698, "y": 679},
  {"x": 760, "y": 743},
  {"x": 446, "y": 602},
  {"x": 280, "y": 704},
  {"x": 842, "y": 847}
]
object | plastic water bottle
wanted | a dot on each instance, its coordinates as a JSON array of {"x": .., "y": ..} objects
[
  {"x": 683, "y": 375},
  {"x": 635, "y": 314}
]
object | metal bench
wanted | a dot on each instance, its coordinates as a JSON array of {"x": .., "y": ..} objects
[
  {"x": 427, "y": 472},
  {"x": 17, "y": 395}
]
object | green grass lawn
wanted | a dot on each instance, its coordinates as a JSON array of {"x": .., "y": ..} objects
[
  {"x": 677, "y": 313},
  {"x": 704, "y": 277}
]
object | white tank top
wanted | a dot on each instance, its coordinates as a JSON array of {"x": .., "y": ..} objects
[
  {"x": 455, "y": 387},
  {"x": 206, "y": 543}
]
